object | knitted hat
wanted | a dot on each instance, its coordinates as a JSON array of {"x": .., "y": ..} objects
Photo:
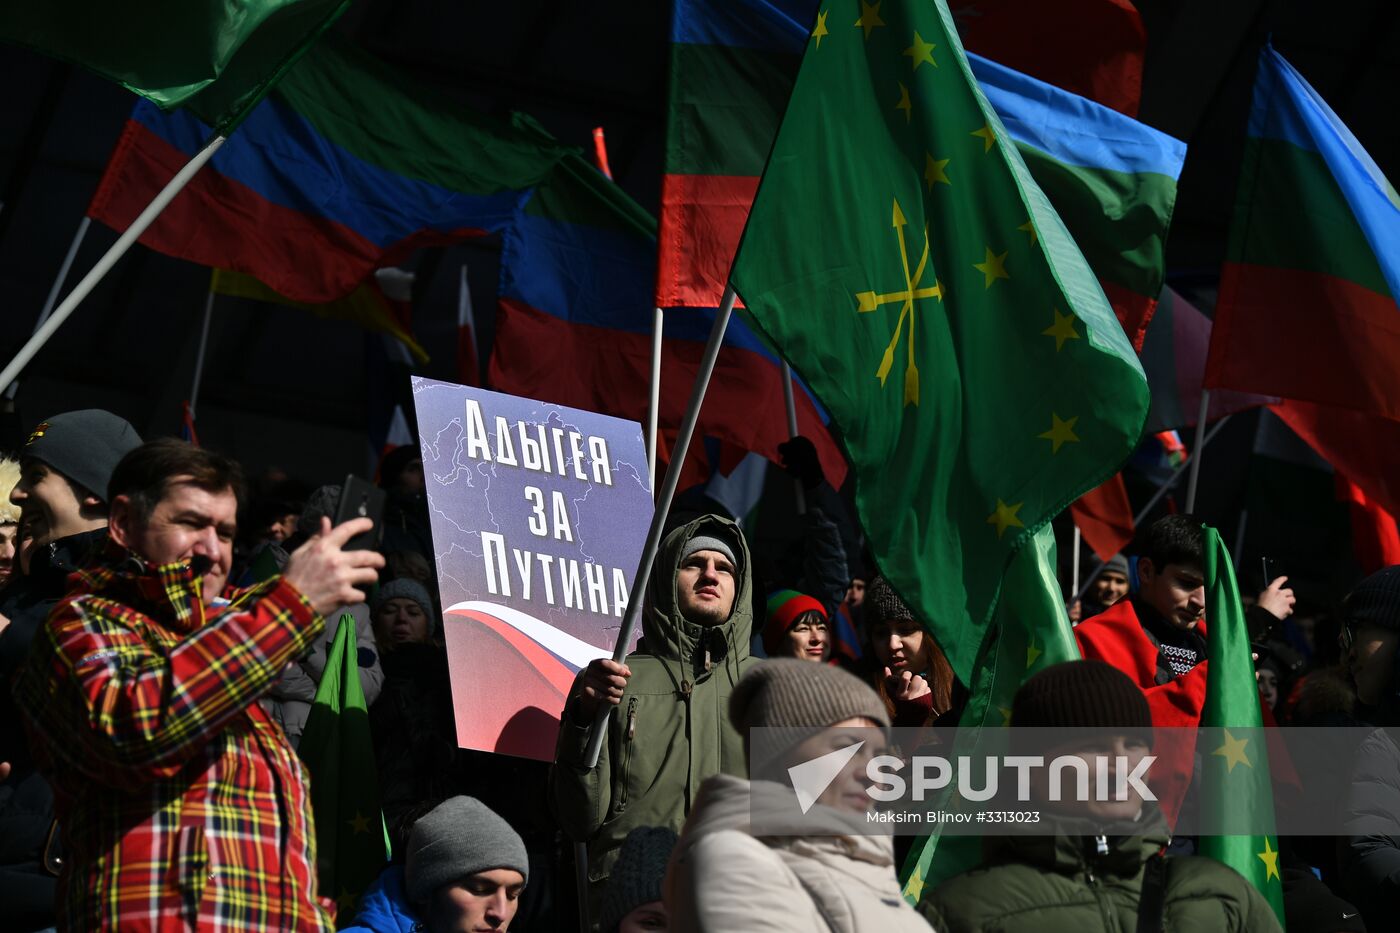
[
  {"x": 636, "y": 875},
  {"x": 459, "y": 837},
  {"x": 881, "y": 603},
  {"x": 9, "y": 476},
  {"x": 800, "y": 699},
  {"x": 708, "y": 543},
  {"x": 404, "y": 588},
  {"x": 784, "y": 606},
  {"x": 1375, "y": 600},
  {"x": 1117, "y": 564},
  {"x": 324, "y": 502},
  {"x": 85, "y": 446},
  {"x": 1083, "y": 695}
]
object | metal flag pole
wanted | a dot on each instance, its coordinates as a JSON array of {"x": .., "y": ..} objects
[
  {"x": 791, "y": 405},
  {"x": 1196, "y": 457},
  {"x": 1162, "y": 490},
  {"x": 199, "y": 357},
  {"x": 663, "y": 505},
  {"x": 658, "y": 324},
  {"x": 56, "y": 288},
  {"x": 109, "y": 259},
  {"x": 1074, "y": 562}
]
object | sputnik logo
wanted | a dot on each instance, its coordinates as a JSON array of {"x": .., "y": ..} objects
[{"x": 811, "y": 778}]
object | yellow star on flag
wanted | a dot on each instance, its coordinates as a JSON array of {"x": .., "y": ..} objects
[
  {"x": 1032, "y": 655},
  {"x": 993, "y": 267},
  {"x": 935, "y": 171},
  {"x": 904, "y": 103},
  {"x": 821, "y": 28},
  {"x": 1062, "y": 329},
  {"x": 1270, "y": 859},
  {"x": 1060, "y": 433},
  {"x": 359, "y": 822},
  {"x": 1233, "y": 752},
  {"x": 1005, "y": 517},
  {"x": 921, "y": 52},
  {"x": 1029, "y": 228},
  {"x": 989, "y": 137},
  {"x": 869, "y": 16},
  {"x": 1005, "y": 715},
  {"x": 345, "y": 902},
  {"x": 914, "y": 888}
]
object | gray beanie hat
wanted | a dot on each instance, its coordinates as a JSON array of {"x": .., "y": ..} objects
[
  {"x": 1375, "y": 600},
  {"x": 800, "y": 699},
  {"x": 637, "y": 874},
  {"x": 85, "y": 446},
  {"x": 323, "y": 502},
  {"x": 404, "y": 588},
  {"x": 1117, "y": 563},
  {"x": 459, "y": 837},
  {"x": 708, "y": 543}
]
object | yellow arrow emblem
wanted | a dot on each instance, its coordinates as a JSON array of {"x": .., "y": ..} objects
[{"x": 869, "y": 301}]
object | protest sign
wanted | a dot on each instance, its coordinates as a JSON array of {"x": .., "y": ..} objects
[{"x": 538, "y": 516}]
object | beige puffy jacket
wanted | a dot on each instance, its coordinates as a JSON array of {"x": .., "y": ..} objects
[{"x": 722, "y": 877}]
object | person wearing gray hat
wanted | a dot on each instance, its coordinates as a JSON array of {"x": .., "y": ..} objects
[
  {"x": 756, "y": 854},
  {"x": 632, "y": 901},
  {"x": 464, "y": 871}
]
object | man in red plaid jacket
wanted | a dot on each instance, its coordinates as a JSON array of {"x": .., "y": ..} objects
[{"x": 181, "y": 803}]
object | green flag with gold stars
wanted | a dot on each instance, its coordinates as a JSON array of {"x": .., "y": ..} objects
[
  {"x": 901, "y": 258},
  {"x": 352, "y": 844},
  {"x": 1235, "y": 787}
]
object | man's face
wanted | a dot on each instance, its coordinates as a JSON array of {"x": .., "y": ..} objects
[
  {"x": 1371, "y": 662},
  {"x": 1131, "y": 749},
  {"x": 484, "y": 901},
  {"x": 1110, "y": 587},
  {"x": 651, "y": 917},
  {"x": 1177, "y": 591},
  {"x": 50, "y": 503},
  {"x": 9, "y": 537},
  {"x": 705, "y": 588},
  {"x": 187, "y": 522}
]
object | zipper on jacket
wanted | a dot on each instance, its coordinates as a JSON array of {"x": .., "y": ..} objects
[{"x": 629, "y": 736}]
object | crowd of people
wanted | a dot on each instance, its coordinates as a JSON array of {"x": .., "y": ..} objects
[{"x": 163, "y": 632}]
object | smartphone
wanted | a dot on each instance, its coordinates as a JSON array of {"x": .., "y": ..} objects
[
  {"x": 359, "y": 498},
  {"x": 1273, "y": 569}
]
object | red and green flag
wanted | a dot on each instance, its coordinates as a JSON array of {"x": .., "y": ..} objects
[
  {"x": 217, "y": 58},
  {"x": 1235, "y": 787},
  {"x": 953, "y": 330},
  {"x": 352, "y": 844}
]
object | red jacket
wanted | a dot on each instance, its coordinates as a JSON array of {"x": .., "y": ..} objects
[{"x": 1117, "y": 637}]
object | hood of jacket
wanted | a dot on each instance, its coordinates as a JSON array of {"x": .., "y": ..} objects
[
  {"x": 726, "y": 802},
  {"x": 670, "y": 636},
  {"x": 1074, "y": 845},
  {"x": 385, "y": 908}
]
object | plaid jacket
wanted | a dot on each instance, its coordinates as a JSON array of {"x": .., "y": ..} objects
[{"x": 181, "y": 803}]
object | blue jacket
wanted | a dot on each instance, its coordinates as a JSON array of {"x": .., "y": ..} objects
[{"x": 385, "y": 908}]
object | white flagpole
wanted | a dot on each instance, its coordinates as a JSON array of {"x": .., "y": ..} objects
[
  {"x": 199, "y": 357},
  {"x": 1074, "y": 570},
  {"x": 466, "y": 317},
  {"x": 658, "y": 323},
  {"x": 791, "y": 405},
  {"x": 1196, "y": 454},
  {"x": 56, "y": 287},
  {"x": 663, "y": 506},
  {"x": 104, "y": 265}
]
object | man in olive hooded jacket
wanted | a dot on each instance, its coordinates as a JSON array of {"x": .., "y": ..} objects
[{"x": 668, "y": 728}]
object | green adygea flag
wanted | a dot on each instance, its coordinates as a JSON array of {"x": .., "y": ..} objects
[
  {"x": 1235, "y": 788},
  {"x": 902, "y": 259}
]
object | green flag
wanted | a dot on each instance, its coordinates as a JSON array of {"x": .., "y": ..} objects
[
  {"x": 218, "y": 57},
  {"x": 1235, "y": 786},
  {"x": 902, "y": 259},
  {"x": 352, "y": 844},
  {"x": 1030, "y": 632}
]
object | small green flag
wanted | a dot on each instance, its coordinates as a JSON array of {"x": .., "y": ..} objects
[
  {"x": 1031, "y": 631},
  {"x": 901, "y": 258},
  {"x": 217, "y": 57},
  {"x": 1235, "y": 785},
  {"x": 352, "y": 843}
]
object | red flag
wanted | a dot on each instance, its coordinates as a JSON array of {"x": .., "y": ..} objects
[
  {"x": 1105, "y": 517},
  {"x": 1374, "y": 537}
]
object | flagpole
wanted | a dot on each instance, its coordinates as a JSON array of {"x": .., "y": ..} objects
[
  {"x": 1074, "y": 571},
  {"x": 658, "y": 324},
  {"x": 663, "y": 506},
  {"x": 199, "y": 357},
  {"x": 105, "y": 264},
  {"x": 791, "y": 406},
  {"x": 1196, "y": 456},
  {"x": 1162, "y": 490},
  {"x": 56, "y": 288}
]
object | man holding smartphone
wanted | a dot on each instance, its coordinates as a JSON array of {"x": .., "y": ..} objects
[{"x": 181, "y": 802}]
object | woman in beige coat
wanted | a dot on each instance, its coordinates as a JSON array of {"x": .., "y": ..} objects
[{"x": 750, "y": 858}]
